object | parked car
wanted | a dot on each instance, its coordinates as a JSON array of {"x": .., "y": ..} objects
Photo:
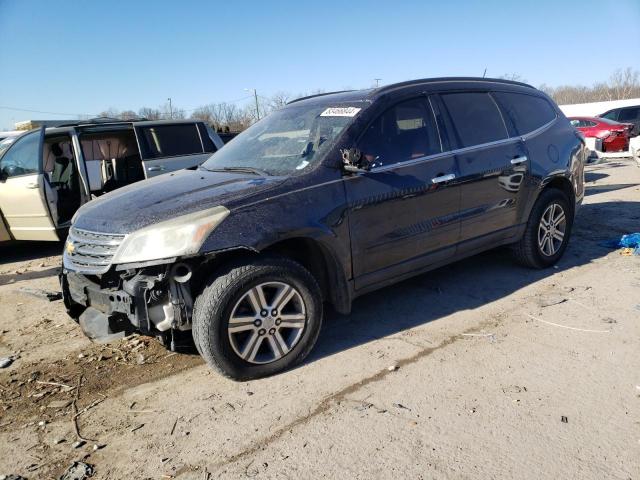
[
  {"x": 328, "y": 198},
  {"x": 613, "y": 136},
  {"x": 47, "y": 174},
  {"x": 629, "y": 114}
]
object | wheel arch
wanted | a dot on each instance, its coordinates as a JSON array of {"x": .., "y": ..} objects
[
  {"x": 312, "y": 254},
  {"x": 562, "y": 183},
  {"x": 322, "y": 263}
]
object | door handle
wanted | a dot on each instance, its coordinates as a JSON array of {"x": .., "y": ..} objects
[
  {"x": 156, "y": 168},
  {"x": 443, "y": 178},
  {"x": 31, "y": 185},
  {"x": 519, "y": 160}
]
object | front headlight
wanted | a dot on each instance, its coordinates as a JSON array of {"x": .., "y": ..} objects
[{"x": 172, "y": 238}]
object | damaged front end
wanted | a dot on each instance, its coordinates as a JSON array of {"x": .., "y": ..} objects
[
  {"x": 114, "y": 283},
  {"x": 153, "y": 300},
  {"x": 110, "y": 301}
]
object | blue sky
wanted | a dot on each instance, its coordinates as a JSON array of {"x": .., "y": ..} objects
[{"x": 86, "y": 56}]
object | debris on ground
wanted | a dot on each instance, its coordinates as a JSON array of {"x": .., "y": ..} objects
[
  {"x": 6, "y": 362},
  {"x": 401, "y": 407},
  {"x": 630, "y": 241},
  {"x": 78, "y": 444},
  {"x": 550, "y": 300},
  {"x": 78, "y": 471},
  {"x": 564, "y": 419},
  {"x": 490, "y": 336},
  {"x": 392, "y": 368},
  {"x": 12, "y": 477},
  {"x": 40, "y": 293}
]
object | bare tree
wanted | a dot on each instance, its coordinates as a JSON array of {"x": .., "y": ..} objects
[
  {"x": 150, "y": 113},
  {"x": 128, "y": 115},
  {"x": 514, "y": 77},
  {"x": 623, "y": 84},
  {"x": 279, "y": 100},
  {"x": 110, "y": 112}
]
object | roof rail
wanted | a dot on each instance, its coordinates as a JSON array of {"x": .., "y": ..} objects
[
  {"x": 317, "y": 95},
  {"x": 90, "y": 121},
  {"x": 393, "y": 86}
]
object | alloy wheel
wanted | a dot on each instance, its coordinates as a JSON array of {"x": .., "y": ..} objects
[
  {"x": 267, "y": 322},
  {"x": 552, "y": 228}
]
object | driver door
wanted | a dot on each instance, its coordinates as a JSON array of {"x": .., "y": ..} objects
[{"x": 22, "y": 190}]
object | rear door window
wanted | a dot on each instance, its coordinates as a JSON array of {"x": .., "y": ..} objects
[
  {"x": 527, "y": 112},
  {"x": 159, "y": 141},
  {"x": 476, "y": 118},
  {"x": 612, "y": 115},
  {"x": 403, "y": 132},
  {"x": 629, "y": 114}
]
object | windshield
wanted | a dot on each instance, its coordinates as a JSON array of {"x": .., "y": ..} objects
[
  {"x": 6, "y": 143},
  {"x": 286, "y": 141}
]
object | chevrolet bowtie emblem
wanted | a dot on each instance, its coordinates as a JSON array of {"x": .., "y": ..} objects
[{"x": 70, "y": 247}]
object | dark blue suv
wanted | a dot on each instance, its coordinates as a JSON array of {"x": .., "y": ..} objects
[{"x": 328, "y": 198}]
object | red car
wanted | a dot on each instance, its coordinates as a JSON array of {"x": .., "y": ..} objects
[{"x": 614, "y": 135}]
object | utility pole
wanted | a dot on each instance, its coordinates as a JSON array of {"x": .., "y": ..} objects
[
  {"x": 485, "y": 72},
  {"x": 255, "y": 95},
  {"x": 377, "y": 82},
  {"x": 170, "y": 109}
]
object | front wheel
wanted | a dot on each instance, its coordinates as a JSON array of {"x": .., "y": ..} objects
[
  {"x": 547, "y": 232},
  {"x": 258, "y": 319}
]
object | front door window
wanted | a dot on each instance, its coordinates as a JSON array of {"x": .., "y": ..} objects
[{"x": 22, "y": 158}]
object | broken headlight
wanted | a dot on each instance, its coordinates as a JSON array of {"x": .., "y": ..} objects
[{"x": 172, "y": 238}]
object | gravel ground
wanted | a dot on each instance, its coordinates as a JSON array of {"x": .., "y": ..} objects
[{"x": 480, "y": 369}]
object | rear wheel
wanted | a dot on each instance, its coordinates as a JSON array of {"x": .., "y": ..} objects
[
  {"x": 547, "y": 232},
  {"x": 258, "y": 319}
]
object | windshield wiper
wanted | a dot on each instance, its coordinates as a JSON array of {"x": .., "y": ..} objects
[{"x": 254, "y": 171}]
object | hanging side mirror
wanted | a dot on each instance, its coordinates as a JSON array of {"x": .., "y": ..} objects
[{"x": 352, "y": 161}]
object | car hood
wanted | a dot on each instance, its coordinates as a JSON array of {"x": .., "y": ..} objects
[{"x": 169, "y": 196}]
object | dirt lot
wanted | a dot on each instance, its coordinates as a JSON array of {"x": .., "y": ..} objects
[{"x": 501, "y": 372}]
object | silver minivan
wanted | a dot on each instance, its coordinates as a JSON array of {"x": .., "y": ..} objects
[{"x": 47, "y": 174}]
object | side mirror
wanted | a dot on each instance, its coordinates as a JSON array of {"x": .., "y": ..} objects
[
  {"x": 3, "y": 174},
  {"x": 352, "y": 161}
]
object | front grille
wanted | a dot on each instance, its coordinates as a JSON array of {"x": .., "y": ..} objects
[{"x": 90, "y": 252}]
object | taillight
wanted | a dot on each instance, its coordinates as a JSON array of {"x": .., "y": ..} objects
[{"x": 604, "y": 134}]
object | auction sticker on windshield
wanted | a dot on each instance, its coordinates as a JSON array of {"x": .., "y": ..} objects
[{"x": 340, "y": 112}]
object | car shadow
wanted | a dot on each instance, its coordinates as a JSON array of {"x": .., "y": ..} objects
[
  {"x": 594, "y": 176},
  {"x": 467, "y": 284},
  {"x": 24, "y": 251},
  {"x": 592, "y": 190}
]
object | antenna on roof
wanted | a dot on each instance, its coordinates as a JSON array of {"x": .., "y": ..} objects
[{"x": 485, "y": 72}]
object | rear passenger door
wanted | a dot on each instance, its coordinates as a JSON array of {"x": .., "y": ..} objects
[
  {"x": 493, "y": 168},
  {"x": 166, "y": 146}
]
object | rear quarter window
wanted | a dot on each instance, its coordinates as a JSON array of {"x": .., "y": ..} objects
[
  {"x": 476, "y": 118},
  {"x": 629, "y": 114},
  {"x": 170, "y": 140},
  {"x": 527, "y": 112},
  {"x": 207, "y": 143}
]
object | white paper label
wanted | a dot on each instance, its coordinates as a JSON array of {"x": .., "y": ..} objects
[{"x": 340, "y": 112}]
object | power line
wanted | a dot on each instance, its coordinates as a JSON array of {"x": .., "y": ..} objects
[
  {"x": 41, "y": 111},
  {"x": 5, "y": 107}
]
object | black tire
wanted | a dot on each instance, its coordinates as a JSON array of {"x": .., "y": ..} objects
[
  {"x": 214, "y": 305},
  {"x": 527, "y": 251}
]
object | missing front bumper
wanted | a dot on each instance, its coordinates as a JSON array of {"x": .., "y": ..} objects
[{"x": 150, "y": 301}]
